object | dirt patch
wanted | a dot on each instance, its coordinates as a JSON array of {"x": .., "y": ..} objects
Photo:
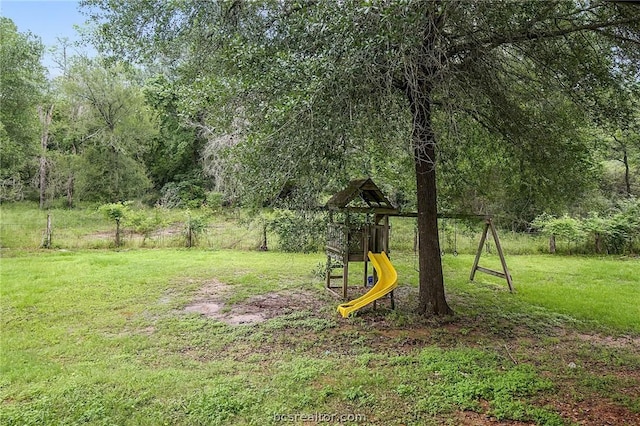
[
  {"x": 610, "y": 341},
  {"x": 100, "y": 235},
  {"x": 205, "y": 308},
  {"x": 595, "y": 411},
  {"x": 470, "y": 418},
  {"x": 211, "y": 302},
  {"x": 175, "y": 229}
]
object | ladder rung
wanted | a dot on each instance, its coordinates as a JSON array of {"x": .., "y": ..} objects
[{"x": 335, "y": 276}]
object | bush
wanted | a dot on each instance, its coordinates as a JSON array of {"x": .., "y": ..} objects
[
  {"x": 189, "y": 192},
  {"x": 299, "y": 231},
  {"x": 214, "y": 200},
  {"x": 564, "y": 228},
  {"x": 11, "y": 189},
  {"x": 193, "y": 227},
  {"x": 145, "y": 224},
  {"x": 616, "y": 233},
  {"x": 623, "y": 230},
  {"x": 117, "y": 213}
]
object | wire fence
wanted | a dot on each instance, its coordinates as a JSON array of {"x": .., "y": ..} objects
[
  {"x": 32, "y": 235},
  {"x": 85, "y": 229}
]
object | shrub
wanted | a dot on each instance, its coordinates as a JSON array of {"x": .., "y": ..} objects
[
  {"x": 565, "y": 228},
  {"x": 616, "y": 233},
  {"x": 597, "y": 228},
  {"x": 144, "y": 223},
  {"x": 115, "y": 212},
  {"x": 193, "y": 227},
  {"x": 298, "y": 231},
  {"x": 624, "y": 228},
  {"x": 214, "y": 200},
  {"x": 188, "y": 192}
]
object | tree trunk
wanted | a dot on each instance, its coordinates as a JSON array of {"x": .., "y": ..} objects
[
  {"x": 432, "y": 296},
  {"x": 117, "y": 233},
  {"x": 45, "y": 120},
  {"x": 46, "y": 240},
  {"x": 598, "y": 243},
  {"x": 625, "y": 161},
  {"x": 627, "y": 179},
  {"x": 552, "y": 244},
  {"x": 43, "y": 180},
  {"x": 70, "y": 184},
  {"x": 264, "y": 246},
  {"x": 71, "y": 179}
]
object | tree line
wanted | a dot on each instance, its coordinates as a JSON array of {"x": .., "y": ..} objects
[{"x": 107, "y": 131}]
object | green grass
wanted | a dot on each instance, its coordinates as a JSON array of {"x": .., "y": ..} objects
[
  {"x": 75, "y": 339},
  {"x": 602, "y": 292},
  {"x": 101, "y": 337}
]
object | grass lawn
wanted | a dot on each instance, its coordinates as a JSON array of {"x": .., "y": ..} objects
[
  {"x": 107, "y": 337},
  {"x": 598, "y": 291}
]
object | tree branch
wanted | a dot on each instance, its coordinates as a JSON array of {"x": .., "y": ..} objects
[{"x": 497, "y": 40}]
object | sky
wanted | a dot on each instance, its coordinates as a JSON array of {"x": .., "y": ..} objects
[{"x": 48, "y": 19}]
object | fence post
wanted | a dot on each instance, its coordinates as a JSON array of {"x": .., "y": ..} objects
[{"x": 46, "y": 240}]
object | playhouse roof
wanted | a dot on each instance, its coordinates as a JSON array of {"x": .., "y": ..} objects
[{"x": 367, "y": 191}]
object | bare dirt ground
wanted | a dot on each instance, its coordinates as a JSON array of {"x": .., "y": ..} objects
[
  {"x": 557, "y": 351},
  {"x": 210, "y": 301}
]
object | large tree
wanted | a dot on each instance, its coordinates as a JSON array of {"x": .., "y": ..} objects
[
  {"x": 312, "y": 80},
  {"x": 22, "y": 80},
  {"x": 622, "y": 127},
  {"x": 103, "y": 132},
  {"x": 176, "y": 151}
]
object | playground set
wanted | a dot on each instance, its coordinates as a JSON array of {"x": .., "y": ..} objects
[{"x": 359, "y": 230}]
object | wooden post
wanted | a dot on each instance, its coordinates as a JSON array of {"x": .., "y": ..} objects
[
  {"x": 501, "y": 254},
  {"x": 386, "y": 245},
  {"x": 345, "y": 273},
  {"x": 328, "y": 273},
  {"x": 367, "y": 232},
  {"x": 345, "y": 259},
  {"x": 479, "y": 252},
  {"x": 46, "y": 240},
  {"x": 385, "y": 238},
  {"x": 118, "y": 232},
  {"x": 264, "y": 246}
]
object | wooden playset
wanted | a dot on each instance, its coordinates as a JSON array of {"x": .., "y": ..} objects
[{"x": 359, "y": 224}]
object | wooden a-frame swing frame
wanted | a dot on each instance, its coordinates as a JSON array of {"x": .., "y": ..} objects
[{"x": 488, "y": 226}]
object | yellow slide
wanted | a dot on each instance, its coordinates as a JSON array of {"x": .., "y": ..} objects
[{"x": 387, "y": 281}]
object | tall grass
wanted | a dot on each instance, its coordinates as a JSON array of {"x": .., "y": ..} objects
[{"x": 22, "y": 226}]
